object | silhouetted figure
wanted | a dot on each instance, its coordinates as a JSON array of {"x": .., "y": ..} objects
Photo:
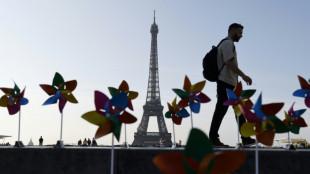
[
  {"x": 41, "y": 141},
  {"x": 85, "y": 142},
  {"x": 94, "y": 143},
  {"x": 89, "y": 142},
  {"x": 80, "y": 142},
  {"x": 228, "y": 78}
]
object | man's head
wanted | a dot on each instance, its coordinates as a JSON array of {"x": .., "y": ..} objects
[{"x": 235, "y": 31}]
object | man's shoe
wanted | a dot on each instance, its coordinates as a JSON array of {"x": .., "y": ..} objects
[
  {"x": 248, "y": 141},
  {"x": 218, "y": 143}
]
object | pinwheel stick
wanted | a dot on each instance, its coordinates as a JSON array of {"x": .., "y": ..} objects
[
  {"x": 19, "y": 125},
  {"x": 238, "y": 132},
  {"x": 61, "y": 123},
  {"x": 173, "y": 134},
  {"x": 256, "y": 157},
  {"x": 192, "y": 119},
  {"x": 125, "y": 136},
  {"x": 112, "y": 154},
  {"x": 288, "y": 138}
]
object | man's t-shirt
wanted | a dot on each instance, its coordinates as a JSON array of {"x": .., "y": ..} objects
[{"x": 226, "y": 51}]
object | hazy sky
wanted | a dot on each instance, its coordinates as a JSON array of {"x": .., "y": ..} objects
[{"x": 101, "y": 43}]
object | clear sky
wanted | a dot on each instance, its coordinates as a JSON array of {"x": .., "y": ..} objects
[{"x": 100, "y": 43}]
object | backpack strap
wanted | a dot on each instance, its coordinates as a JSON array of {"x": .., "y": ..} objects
[{"x": 224, "y": 62}]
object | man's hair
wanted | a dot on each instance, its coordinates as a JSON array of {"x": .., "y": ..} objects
[{"x": 234, "y": 26}]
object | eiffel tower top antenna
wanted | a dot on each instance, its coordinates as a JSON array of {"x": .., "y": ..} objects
[{"x": 154, "y": 16}]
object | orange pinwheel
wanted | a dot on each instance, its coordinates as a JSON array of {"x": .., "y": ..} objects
[{"x": 199, "y": 158}]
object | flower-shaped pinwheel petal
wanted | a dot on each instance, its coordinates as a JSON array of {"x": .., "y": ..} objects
[
  {"x": 60, "y": 90},
  {"x": 293, "y": 119},
  {"x": 176, "y": 112},
  {"x": 199, "y": 158},
  {"x": 192, "y": 95},
  {"x": 124, "y": 87},
  {"x": 13, "y": 99},
  {"x": 239, "y": 97},
  {"x": 304, "y": 91},
  {"x": 110, "y": 113},
  {"x": 263, "y": 123}
]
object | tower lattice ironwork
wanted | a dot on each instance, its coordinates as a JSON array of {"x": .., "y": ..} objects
[{"x": 152, "y": 107}]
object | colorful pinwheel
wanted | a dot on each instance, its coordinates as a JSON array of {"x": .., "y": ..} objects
[
  {"x": 110, "y": 113},
  {"x": 304, "y": 91},
  {"x": 199, "y": 157},
  {"x": 124, "y": 87},
  {"x": 239, "y": 97},
  {"x": 191, "y": 95},
  {"x": 293, "y": 119},
  {"x": 60, "y": 90},
  {"x": 263, "y": 122},
  {"x": 13, "y": 99},
  {"x": 176, "y": 113}
]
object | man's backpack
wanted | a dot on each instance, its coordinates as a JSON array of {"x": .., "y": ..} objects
[{"x": 209, "y": 64}]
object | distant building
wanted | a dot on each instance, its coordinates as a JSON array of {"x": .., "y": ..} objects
[{"x": 297, "y": 143}]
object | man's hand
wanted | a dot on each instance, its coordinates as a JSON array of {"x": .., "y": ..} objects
[{"x": 247, "y": 79}]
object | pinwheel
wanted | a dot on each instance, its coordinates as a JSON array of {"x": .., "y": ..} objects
[
  {"x": 176, "y": 114},
  {"x": 123, "y": 87},
  {"x": 293, "y": 121},
  {"x": 13, "y": 99},
  {"x": 110, "y": 113},
  {"x": 192, "y": 96},
  {"x": 239, "y": 97},
  {"x": 62, "y": 91},
  {"x": 304, "y": 91},
  {"x": 263, "y": 123},
  {"x": 199, "y": 157},
  {"x": 236, "y": 98}
]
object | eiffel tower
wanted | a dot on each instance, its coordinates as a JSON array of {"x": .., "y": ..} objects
[{"x": 152, "y": 107}]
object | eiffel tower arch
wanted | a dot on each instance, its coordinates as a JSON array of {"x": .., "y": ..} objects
[{"x": 152, "y": 107}]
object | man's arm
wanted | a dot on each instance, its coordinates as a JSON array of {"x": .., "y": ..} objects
[{"x": 236, "y": 70}]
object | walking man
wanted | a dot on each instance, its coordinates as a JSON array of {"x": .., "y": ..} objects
[{"x": 228, "y": 78}]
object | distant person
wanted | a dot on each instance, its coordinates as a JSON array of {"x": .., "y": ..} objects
[
  {"x": 180, "y": 143},
  {"x": 228, "y": 78},
  {"x": 161, "y": 142},
  {"x": 80, "y": 142},
  {"x": 94, "y": 142},
  {"x": 41, "y": 141},
  {"x": 85, "y": 142},
  {"x": 89, "y": 142}
]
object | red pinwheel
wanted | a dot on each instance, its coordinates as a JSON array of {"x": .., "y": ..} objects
[
  {"x": 293, "y": 119},
  {"x": 176, "y": 113},
  {"x": 263, "y": 122},
  {"x": 60, "y": 90},
  {"x": 239, "y": 97},
  {"x": 191, "y": 95},
  {"x": 304, "y": 91},
  {"x": 13, "y": 99},
  {"x": 199, "y": 158}
]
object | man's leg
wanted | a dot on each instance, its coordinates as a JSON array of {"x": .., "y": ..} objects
[{"x": 220, "y": 109}]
